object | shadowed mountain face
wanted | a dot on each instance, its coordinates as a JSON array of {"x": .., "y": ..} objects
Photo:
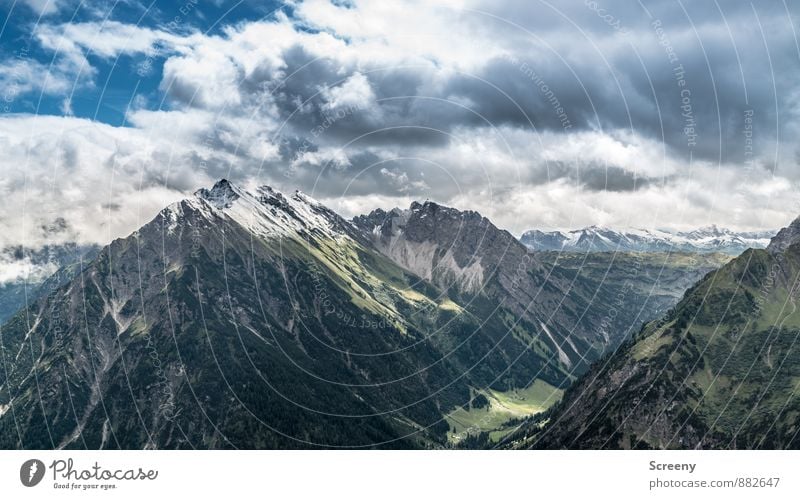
[
  {"x": 719, "y": 371},
  {"x": 242, "y": 319},
  {"x": 641, "y": 286}
]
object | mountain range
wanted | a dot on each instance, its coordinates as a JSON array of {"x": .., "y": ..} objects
[
  {"x": 261, "y": 320},
  {"x": 256, "y": 319},
  {"x": 591, "y": 239},
  {"x": 720, "y": 370}
]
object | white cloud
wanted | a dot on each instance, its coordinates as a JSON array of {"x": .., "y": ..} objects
[
  {"x": 66, "y": 106},
  {"x": 102, "y": 180},
  {"x": 412, "y": 31},
  {"x": 15, "y": 271},
  {"x": 403, "y": 183},
  {"x": 711, "y": 197},
  {"x": 356, "y": 91},
  {"x": 44, "y": 7},
  {"x": 22, "y": 76},
  {"x": 106, "y": 39}
]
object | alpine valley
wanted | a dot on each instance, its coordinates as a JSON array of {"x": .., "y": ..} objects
[
  {"x": 720, "y": 370},
  {"x": 255, "y": 319}
]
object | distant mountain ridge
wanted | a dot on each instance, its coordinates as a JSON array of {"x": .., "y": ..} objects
[{"x": 593, "y": 239}]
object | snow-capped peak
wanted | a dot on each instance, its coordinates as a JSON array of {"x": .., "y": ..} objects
[{"x": 268, "y": 212}]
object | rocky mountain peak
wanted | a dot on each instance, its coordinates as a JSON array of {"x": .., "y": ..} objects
[
  {"x": 785, "y": 237},
  {"x": 221, "y": 195},
  {"x": 445, "y": 245}
]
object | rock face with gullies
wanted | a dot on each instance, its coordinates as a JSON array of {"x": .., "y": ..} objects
[
  {"x": 464, "y": 253},
  {"x": 451, "y": 247}
]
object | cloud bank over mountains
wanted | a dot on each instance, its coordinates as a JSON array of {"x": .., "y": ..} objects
[{"x": 535, "y": 114}]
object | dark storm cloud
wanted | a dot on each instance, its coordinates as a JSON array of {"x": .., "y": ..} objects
[
  {"x": 299, "y": 91},
  {"x": 682, "y": 77},
  {"x": 591, "y": 176},
  {"x": 687, "y": 78},
  {"x": 611, "y": 178}
]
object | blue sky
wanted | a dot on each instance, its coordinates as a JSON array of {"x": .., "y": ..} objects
[
  {"x": 119, "y": 79},
  {"x": 550, "y": 115}
]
